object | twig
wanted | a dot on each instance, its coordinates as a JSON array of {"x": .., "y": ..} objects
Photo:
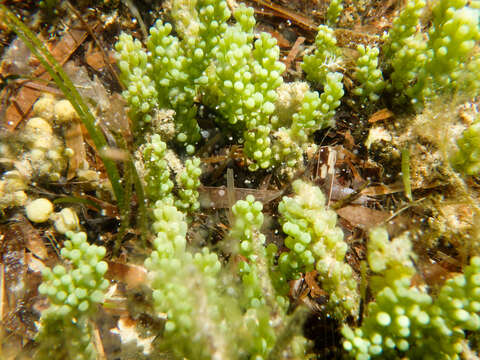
[{"x": 294, "y": 52}]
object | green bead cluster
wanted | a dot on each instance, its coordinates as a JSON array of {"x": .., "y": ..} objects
[
  {"x": 233, "y": 91},
  {"x": 305, "y": 121},
  {"x": 314, "y": 112},
  {"x": 467, "y": 158},
  {"x": 405, "y": 320},
  {"x": 391, "y": 259},
  {"x": 73, "y": 294},
  {"x": 425, "y": 65},
  {"x": 174, "y": 273},
  {"x": 157, "y": 174},
  {"x": 404, "y": 26},
  {"x": 334, "y": 10},
  {"x": 206, "y": 317},
  {"x": 470, "y": 78},
  {"x": 246, "y": 80},
  {"x": 404, "y": 47},
  {"x": 454, "y": 31},
  {"x": 60, "y": 339},
  {"x": 189, "y": 181},
  {"x": 158, "y": 185},
  {"x": 300, "y": 112},
  {"x": 77, "y": 291},
  {"x": 173, "y": 68},
  {"x": 140, "y": 92},
  {"x": 248, "y": 219},
  {"x": 316, "y": 243},
  {"x": 459, "y": 301},
  {"x": 289, "y": 140},
  {"x": 330, "y": 98},
  {"x": 368, "y": 74},
  {"x": 408, "y": 61},
  {"x": 325, "y": 58},
  {"x": 267, "y": 70},
  {"x": 222, "y": 66},
  {"x": 257, "y": 289}
]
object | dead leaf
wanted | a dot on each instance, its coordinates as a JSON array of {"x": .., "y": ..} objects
[
  {"x": 131, "y": 275},
  {"x": 281, "y": 40},
  {"x": 31, "y": 236},
  {"x": 18, "y": 316},
  {"x": 380, "y": 115},
  {"x": 363, "y": 217},
  {"x": 34, "y": 265},
  {"x": 95, "y": 60},
  {"x": 216, "y": 197},
  {"x": 284, "y": 13},
  {"x": 26, "y": 97}
]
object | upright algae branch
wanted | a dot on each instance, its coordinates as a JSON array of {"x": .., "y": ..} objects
[
  {"x": 426, "y": 65},
  {"x": 220, "y": 66},
  {"x": 315, "y": 242},
  {"x": 206, "y": 316},
  {"x": 65, "y": 331},
  {"x": 406, "y": 320}
]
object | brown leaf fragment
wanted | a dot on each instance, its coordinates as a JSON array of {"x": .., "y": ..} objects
[
  {"x": 13, "y": 259},
  {"x": 315, "y": 290},
  {"x": 97, "y": 340},
  {"x": 284, "y": 13},
  {"x": 26, "y": 97},
  {"x": 33, "y": 241},
  {"x": 17, "y": 314},
  {"x": 363, "y": 217},
  {"x": 20, "y": 106},
  {"x": 216, "y": 197},
  {"x": 95, "y": 60},
  {"x": 67, "y": 45},
  {"x": 380, "y": 115},
  {"x": 131, "y": 275},
  {"x": 34, "y": 265},
  {"x": 433, "y": 274},
  {"x": 281, "y": 40},
  {"x": 349, "y": 140},
  {"x": 110, "y": 209},
  {"x": 306, "y": 291}
]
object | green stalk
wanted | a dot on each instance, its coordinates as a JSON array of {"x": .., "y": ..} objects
[{"x": 66, "y": 86}]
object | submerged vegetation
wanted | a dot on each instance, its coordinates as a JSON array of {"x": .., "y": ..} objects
[{"x": 358, "y": 209}]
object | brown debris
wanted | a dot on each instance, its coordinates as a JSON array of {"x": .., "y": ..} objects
[
  {"x": 363, "y": 217},
  {"x": 131, "y": 275},
  {"x": 26, "y": 96},
  {"x": 380, "y": 115},
  {"x": 216, "y": 197},
  {"x": 284, "y": 13},
  {"x": 74, "y": 140},
  {"x": 294, "y": 51}
]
